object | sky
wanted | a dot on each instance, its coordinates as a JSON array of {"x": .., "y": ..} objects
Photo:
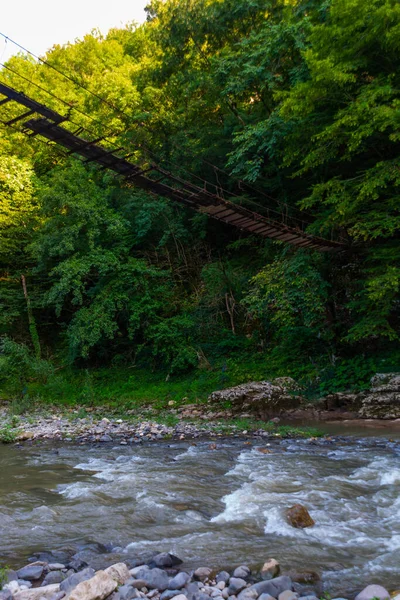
[{"x": 39, "y": 24}]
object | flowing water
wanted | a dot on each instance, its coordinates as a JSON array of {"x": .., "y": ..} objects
[{"x": 217, "y": 508}]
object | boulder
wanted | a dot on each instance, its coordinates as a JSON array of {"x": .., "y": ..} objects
[
  {"x": 273, "y": 587},
  {"x": 154, "y": 578},
  {"x": 97, "y": 588},
  {"x": 270, "y": 569},
  {"x": 165, "y": 560},
  {"x": 119, "y": 572},
  {"x": 179, "y": 581},
  {"x": 373, "y": 591},
  {"x": 30, "y": 573},
  {"x": 288, "y": 595},
  {"x": 202, "y": 573},
  {"x": 222, "y": 576},
  {"x": 298, "y": 516},
  {"x": 383, "y": 399},
  {"x": 168, "y": 594},
  {"x": 236, "y": 585},
  {"x": 45, "y": 593},
  {"x": 127, "y": 592},
  {"x": 242, "y": 572},
  {"x": 262, "y": 397},
  {"x": 73, "y": 580},
  {"x": 53, "y": 577}
]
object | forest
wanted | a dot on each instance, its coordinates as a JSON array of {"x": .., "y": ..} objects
[{"x": 287, "y": 105}]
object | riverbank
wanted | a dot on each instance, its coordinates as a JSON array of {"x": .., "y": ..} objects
[
  {"x": 93, "y": 574},
  {"x": 88, "y": 425}
]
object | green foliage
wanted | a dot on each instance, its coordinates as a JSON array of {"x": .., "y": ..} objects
[
  {"x": 7, "y": 436},
  {"x": 299, "y": 98}
]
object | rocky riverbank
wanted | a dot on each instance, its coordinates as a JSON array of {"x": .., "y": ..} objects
[{"x": 90, "y": 575}]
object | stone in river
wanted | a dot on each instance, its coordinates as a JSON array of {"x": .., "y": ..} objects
[
  {"x": 73, "y": 580},
  {"x": 30, "y": 573},
  {"x": 270, "y": 569},
  {"x": 265, "y": 597},
  {"x": 202, "y": 573},
  {"x": 54, "y": 577},
  {"x": 119, "y": 572},
  {"x": 97, "y": 588},
  {"x": 273, "y": 587},
  {"x": 134, "y": 572},
  {"x": 56, "y": 567},
  {"x": 236, "y": 585},
  {"x": 373, "y": 591},
  {"x": 165, "y": 560},
  {"x": 6, "y": 595},
  {"x": 242, "y": 572},
  {"x": 179, "y": 597},
  {"x": 299, "y": 517},
  {"x": 127, "y": 592},
  {"x": 45, "y": 593},
  {"x": 154, "y": 578},
  {"x": 222, "y": 576},
  {"x": 179, "y": 581}
]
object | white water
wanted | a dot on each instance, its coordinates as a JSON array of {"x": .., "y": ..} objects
[{"x": 218, "y": 507}]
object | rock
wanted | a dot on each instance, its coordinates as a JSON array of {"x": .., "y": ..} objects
[
  {"x": 12, "y": 586},
  {"x": 273, "y": 587},
  {"x": 242, "y": 572},
  {"x": 97, "y": 588},
  {"x": 24, "y": 585},
  {"x": 165, "y": 559},
  {"x": 138, "y": 569},
  {"x": 222, "y": 576},
  {"x": 127, "y": 592},
  {"x": 11, "y": 575},
  {"x": 25, "y": 435},
  {"x": 58, "y": 596},
  {"x": 288, "y": 595},
  {"x": 30, "y": 573},
  {"x": 73, "y": 580},
  {"x": 6, "y": 595},
  {"x": 179, "y": 597},
  {"x": 56, "y": 567},
  {"x": 383, "y": 399},
  {"x": 45, "y": 593},
  {"x": 168, "y": 594},
  {"x": 179, "y": 581},
  {"x": 220, "y": 585},
  {"x": 299, "y": 517},
  {"x": 236, "y": 585},
  {"x": 265, "y": 597},
  {"x": 136, "y": 583},
  {"x": 154, "y": 578},
  {"x": 53, "y": 577},
  {"x": 153, "y": 594},
  {"x": 119, "y": 572},
  {"x": 202, "y": 573},
  {"x": 373, "y": 591},
  {"x": 266, "y": 398},
  {"x": 270, "y": 569}
]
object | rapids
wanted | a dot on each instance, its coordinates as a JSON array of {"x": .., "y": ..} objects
[{"x": 217, "y": 508}]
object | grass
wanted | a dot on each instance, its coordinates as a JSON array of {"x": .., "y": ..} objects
[
  {"x": 251, "y": 425},
  {"x": 7, "y": 434}
]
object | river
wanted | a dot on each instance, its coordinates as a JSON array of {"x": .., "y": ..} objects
[{"x": 218, "y": 508}]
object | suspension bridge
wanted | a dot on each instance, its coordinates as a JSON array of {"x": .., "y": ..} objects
[{"x": 207, "y": 198}]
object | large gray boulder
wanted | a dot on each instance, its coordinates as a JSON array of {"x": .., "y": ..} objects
[
  {"x": 30, "y": 573},
  {"x": 383, "y": 399},
  {"x": 266, "y": 398},
  {"x": 156, "y": 579},
  {"x": 273, "y": 587},
  {"x": 72, "y": 581}
]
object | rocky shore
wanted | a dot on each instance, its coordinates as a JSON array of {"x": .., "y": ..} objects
[{"x": 60, "y": 575}]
